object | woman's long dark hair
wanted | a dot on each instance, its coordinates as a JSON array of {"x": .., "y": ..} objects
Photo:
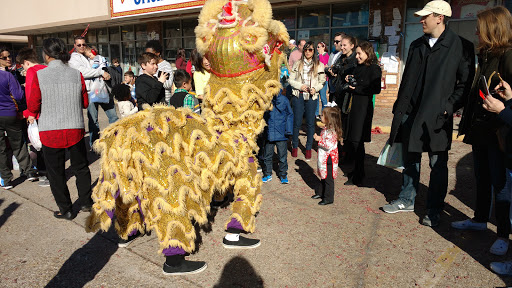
[
  {"x": 313, "y": 69},
  {"x": 55, "y": 48},
  {"x": 198, "y": 63},
  {"x": 367, "y": 48}
]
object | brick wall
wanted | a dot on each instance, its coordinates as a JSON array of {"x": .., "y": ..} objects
[{"x": 388, "y": 94}]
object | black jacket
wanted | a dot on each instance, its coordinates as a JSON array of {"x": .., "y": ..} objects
[
  {"x": 448, "y": 69},
  {"x": 477, "y": 124},
  {"x": 359, "y": 126},
  {"x": 148, "y": 90},
  {"x": 343, "y": 68}
]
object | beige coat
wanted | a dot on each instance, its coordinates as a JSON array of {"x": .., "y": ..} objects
[{"x": 317, "y": 81}]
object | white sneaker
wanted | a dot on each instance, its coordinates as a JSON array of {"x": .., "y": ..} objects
[
  {"x": 468, "y": 224},
  {"x": 500, "y": 247},
  {"x": 502, "y": 268}
]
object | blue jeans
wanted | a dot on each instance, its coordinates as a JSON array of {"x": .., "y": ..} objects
[
  {"x": 303, "y": 108},
  {"x": 92, "y": 114},
  {"x": 323, "y": 98},
  {"x": 438, "y": 183},
  {"x": 282, "y": 152},
  {"x": 491, "y": 178}
]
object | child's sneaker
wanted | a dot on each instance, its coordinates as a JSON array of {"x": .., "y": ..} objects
[
  {"x": 284, "y": 180},
  {"x": 265, "y": 179}
]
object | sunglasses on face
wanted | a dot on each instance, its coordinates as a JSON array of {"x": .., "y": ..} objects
[
  {"x": 336, "y": 41},
  {"x": 5, "y": 58},
  {"x": 310, "y": 49},
  {"x": 80, "y": 45}
]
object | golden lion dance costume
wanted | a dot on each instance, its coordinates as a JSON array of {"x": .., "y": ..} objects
[{"x": 161, "y": 167}]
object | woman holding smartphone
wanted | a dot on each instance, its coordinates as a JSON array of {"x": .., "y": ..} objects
[
  {"x": 307, "y": 78},
  {"x": 494, "y": 30}
]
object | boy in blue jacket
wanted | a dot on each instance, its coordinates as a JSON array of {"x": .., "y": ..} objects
[{"x": 279, "y": 126}]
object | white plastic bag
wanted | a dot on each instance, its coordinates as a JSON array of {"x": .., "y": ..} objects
[
  {"x": 98, "y": 91},
  {"x": 391, "y": 156},
  {"x": 33, "y": 136}
]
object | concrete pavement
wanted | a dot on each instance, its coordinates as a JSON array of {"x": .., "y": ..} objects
[{"x": 348, "y": 244}]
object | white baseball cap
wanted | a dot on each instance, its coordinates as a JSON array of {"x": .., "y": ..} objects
[
  {"x": 437, "y": 6},
  {"x": 292, "y": 41}
]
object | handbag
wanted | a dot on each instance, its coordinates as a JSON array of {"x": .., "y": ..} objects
[
  {"x": 99, "y": 92},
  {"x": 391, "y": 156},
  {"x": 33, "y": 136}
]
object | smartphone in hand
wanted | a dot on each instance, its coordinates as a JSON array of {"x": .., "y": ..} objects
[{"x": 160, "y": 74}]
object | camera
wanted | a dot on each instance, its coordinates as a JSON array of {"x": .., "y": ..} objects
[
  {"x": 336, "y": 68},
  {"x": 160, "y": 74},
  {"x": 351, "y": 82}
]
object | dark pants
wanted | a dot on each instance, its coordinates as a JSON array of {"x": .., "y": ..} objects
[
  {"x": 55, "y": 167},
  {"x": 490, "y": 175},
  {"x": 282, "y": 152},
  {"x": 13, "y": 127},
  {"x": 303, "y": 108},
  {"x": 356, "y": 153},
  {"x": 325, "y": 188}
]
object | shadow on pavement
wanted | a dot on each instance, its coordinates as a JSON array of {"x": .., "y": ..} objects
[
  {"x": 307, "y": 173},
  {"x": 238, "y": 272},
  {"x": 83, "y": 265},
  {"x": 8, "y": 211}
]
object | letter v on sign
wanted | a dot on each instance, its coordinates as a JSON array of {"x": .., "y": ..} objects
[{"x": 122, "y": 1}]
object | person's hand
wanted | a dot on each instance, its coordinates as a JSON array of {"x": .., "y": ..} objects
[
  {"x": 493, "y": 105},
  {"x": 316, "y": 137},
  {"x": 163, "y": 77},
  {"x": 304, "y": 88},
  {"x": 346, "y": 78},
  {"x": 106, "y": 76},
  {"x": 199, "y": 97},
  {"x": 312, "y": 91},
  {"x": 31, "y": 119},
  {"x": 351, "y": 87},
  {"x": 503, "y": 89}
]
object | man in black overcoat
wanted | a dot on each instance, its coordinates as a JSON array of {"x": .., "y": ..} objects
[{"x": 439, "y": 72}]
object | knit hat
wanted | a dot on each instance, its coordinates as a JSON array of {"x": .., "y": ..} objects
[{"x": 437, "y": 6}]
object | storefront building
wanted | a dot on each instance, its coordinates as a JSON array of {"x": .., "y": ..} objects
[{"x": 121, "y": 28}]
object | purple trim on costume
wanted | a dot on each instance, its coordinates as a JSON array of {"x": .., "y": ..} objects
[
  {"x": 189, "y": 117},
  {"x": 218, "y": 132},
  {"x": 245, "y": 138},
  {"x": 140, "y": 208},
  {"x": 168, "y": 119},
  {"x": 236, "y": 141},
  {"x": 235, "y": 224},
  {"x": 110, "y": 213},
  {"x": 117, "y": 193},
  {"x": 149, "y": 129},
  {"x": 238, "y": 199},
  {"x": 114, "y": 175},
  {"x": 251, "y": 159},
  {"x": 171, "y": 251},
  {"x": 134, "y": 231}
]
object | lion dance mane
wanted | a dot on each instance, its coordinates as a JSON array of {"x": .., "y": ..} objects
[{"x": 161, "y": 167}]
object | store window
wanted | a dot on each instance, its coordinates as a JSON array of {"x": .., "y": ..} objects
[
  {"x": 287, "y": 16},
  {"x": 313, "y": 17},
  {"x": 350, "y": 14}
]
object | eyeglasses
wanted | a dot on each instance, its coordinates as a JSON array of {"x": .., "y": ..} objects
[
  {"x": 336, "y": 41},
  {"x": 80, "y": 45},
  {"x": 5, "y": 58},
  {"x": 310, "y": 49}
]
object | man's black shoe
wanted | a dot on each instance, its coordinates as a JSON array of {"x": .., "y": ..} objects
[
  {"x": 242, "y": 243},
  {"x": 185, "y": 267},
  {"x": 431, "y": 220},
  {"x": 124, "y": 243},
  {"x": 316, "y": 196},
  {"x": 32, "y": 176},
  {"x": 68, "y": 215},
  {"x": 86, "y": 208},
  {"x": 323, "y": 202}
]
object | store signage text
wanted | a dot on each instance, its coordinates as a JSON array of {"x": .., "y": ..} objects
[{"x": 127, "y": 8}]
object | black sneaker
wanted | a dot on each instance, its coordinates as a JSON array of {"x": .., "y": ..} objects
[
  {"x": 7, "y": 185},
  {"x": 124, "y": 243},
  {"x": 32, "y": 176},
  {"x": 242, "y": 243},
  {"x": 185, "y": 267}
]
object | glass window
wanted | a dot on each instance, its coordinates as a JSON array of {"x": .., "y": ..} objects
[
  {"x": 103, "y": 51},
  {"x": 63, "y": 36},
  {"x": 468, "y": 9},
  {"x": 412, "y": 32},
  {"x": 102, "y": 35},
  {"x": 39, "y": 40},
  {"x": 313, "y": 17},
  {"x": 129, "y": 61},
  {"x": 141, "y": 32},
  {"x": 188, "y": 27},
  {"x": 90, "y": 37},
  {"x": 172, "y": 29},
  {"x": 114, "y": 34},
  {"x": 127, "y": 32},
  {"x": 71, "y": 38},
  {"x": 350, "y": 14},
  {"x": 361, "y": 33},
  {"x": 465, "y": 29},
  {"x": 287, "y": 16},
  {"x": 189, "y": 43},
  {"x": 115, "y": 52},
  {"x": 316, "y": 35}
]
